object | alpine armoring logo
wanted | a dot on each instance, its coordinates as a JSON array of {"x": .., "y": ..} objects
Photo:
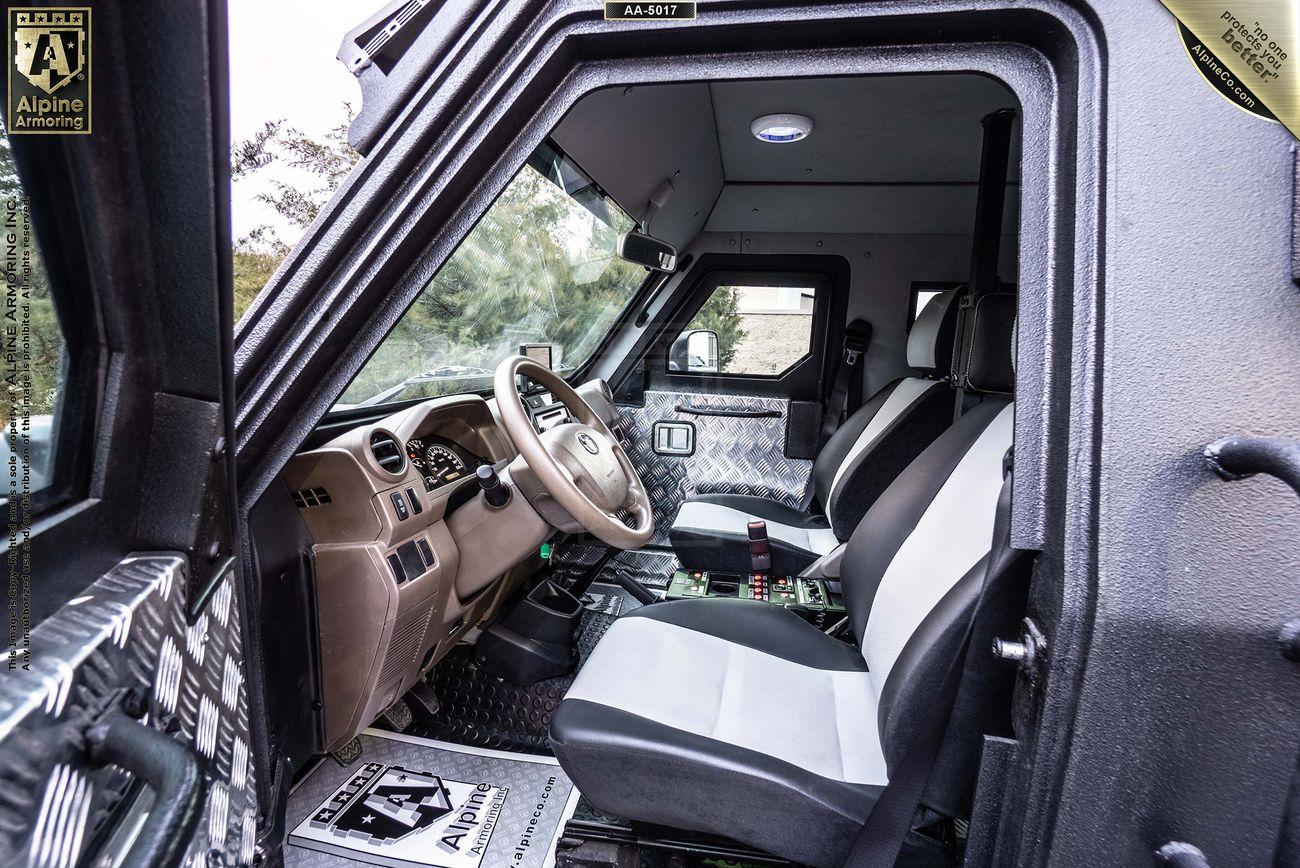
[
  {"x": 398, "y": 816},
  {"x": 49, "y": 70},
  {"x": 399, "y": 802}
]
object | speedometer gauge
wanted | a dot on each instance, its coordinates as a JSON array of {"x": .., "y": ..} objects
[
  {"x": 438, "y": 464},
  {"x": 441, "y": 466},
  {"x": 415, "y": 453}
]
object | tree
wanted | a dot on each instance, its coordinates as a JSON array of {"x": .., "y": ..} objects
[
  {"x": 721, "y": 313},
  {"x": 259, "y": 253}
]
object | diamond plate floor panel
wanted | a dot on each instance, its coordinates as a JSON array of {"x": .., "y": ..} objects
[{"x": 651, "y": 567}]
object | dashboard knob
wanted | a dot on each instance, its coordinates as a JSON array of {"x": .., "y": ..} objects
[{"x": 495, "y": 493}]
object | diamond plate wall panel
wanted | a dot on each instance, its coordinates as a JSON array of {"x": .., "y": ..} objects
[
  {"x": 732, "y": 455},
  {"x": 127, "y": 629}
]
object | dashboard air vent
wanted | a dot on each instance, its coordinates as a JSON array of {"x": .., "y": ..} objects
[
  {"x": 387, "y": 452},
  {"x": 309, "y": 497}
]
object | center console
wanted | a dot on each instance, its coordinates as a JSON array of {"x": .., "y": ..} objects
[
  {"x": 813, "y": 599},
  {"x": 816, "y": 600}
]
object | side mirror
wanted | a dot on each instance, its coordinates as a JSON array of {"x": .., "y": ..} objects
[
  {"x": 694, "y": 352},
  {"x": 645, "y": 250}
]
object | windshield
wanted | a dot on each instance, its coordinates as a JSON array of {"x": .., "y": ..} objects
[{"x": 539, "y": 267}]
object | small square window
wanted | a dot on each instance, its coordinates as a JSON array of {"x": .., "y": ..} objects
[
  {"x": 923, "y": 292},
  {"x": 753, "y": 330}
]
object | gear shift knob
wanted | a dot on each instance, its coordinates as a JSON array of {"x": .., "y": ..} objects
[{"x": 495, "y": 493}]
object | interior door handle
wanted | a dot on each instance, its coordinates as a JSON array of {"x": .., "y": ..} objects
[
  {"x": 735, "y": 412},
  {"x": 170, "y": 769},
  {"x": 673, "y": 438}
]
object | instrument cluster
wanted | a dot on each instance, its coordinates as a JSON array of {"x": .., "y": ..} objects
[{"x": 441, "y": 461}]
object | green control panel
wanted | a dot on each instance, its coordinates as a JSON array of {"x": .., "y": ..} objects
[{"x": 809, "y": 597}]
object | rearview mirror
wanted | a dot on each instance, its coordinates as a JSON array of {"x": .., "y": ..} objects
[{"x": 644, "y": 250}]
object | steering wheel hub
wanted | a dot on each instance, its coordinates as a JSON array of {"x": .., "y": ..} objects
[{"x": 581, "y": 465}]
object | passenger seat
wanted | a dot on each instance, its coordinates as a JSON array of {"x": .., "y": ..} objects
[
  {"x": 856, "y": 465},
  {"x": 739, "y": 718}
]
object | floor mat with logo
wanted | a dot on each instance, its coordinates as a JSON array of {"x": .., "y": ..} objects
[{"x": 411, "y": 802}]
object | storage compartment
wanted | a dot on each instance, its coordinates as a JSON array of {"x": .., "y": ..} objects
[
  {"x": 722, "y": 588},
  {"x": 553, "y": 598},
  {"x": 535, "y": 639}
]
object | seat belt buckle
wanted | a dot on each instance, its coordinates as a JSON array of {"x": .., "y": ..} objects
[
  {"x": 851, "y": 356},
  {"x": 760, "y": 552}
]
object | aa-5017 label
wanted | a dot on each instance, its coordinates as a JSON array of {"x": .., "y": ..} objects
[{"x": 649, "y": 11}]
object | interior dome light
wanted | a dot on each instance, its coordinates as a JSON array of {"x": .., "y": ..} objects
[{"x": 781, "y": 128}]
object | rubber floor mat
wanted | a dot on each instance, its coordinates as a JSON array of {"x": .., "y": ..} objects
[
  {"x": 415, "y": 803},
  {"x": 603, "y": 601},
  {"x": 486, "y": 711}
]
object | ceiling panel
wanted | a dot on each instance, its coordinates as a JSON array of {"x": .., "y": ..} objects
[
  {"x": 877, "y": 128},
  {"x": 852, "y": 209},
  {"x": 630, "y": 140},
  {"x": 881, "y": 150}
]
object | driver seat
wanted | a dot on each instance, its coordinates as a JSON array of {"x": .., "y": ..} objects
[{"x": 738, "y": 718}]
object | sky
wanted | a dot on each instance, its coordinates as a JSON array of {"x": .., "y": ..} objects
[{"x": 282, "y": 66}]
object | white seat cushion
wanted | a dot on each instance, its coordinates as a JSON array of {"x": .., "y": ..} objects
[{"x": 820, "y": 720}]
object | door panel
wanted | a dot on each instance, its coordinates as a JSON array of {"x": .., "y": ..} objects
[
  {"x": 136, "y": 654},
  {"x": 772, "y": 352},
  {"x": 125, "y": 642},
  {"x": 733, "y": 454}
]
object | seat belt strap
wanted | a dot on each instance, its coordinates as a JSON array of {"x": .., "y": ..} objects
[
  {"x": 882, "y": 836},
  {"x": 846, "y": 393},
  {"x": 958, "y": 369}
]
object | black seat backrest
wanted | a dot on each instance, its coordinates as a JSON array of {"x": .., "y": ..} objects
[
  {"x": 913, "y": 567},
  {"x": 885, "y": 434}
]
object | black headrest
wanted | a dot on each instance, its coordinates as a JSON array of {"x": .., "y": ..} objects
[
  {"x": 929, "y": 344},
  {"x": 988, "y": 362}
]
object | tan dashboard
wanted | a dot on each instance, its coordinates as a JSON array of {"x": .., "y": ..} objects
[{"x": 408, "y": 555}]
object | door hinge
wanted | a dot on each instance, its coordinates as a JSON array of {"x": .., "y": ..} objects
[{"x": 1029, "y": 653}]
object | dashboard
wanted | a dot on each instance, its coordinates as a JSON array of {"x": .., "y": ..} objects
[{"x": 408, "y": 555}]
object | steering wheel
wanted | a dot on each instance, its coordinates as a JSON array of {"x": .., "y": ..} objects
[{"x": 580, "y": 464}]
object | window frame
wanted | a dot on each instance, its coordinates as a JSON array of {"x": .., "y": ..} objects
[
  {"x": 56, "y": 225},
  {"x": 338, "y": 420},
  {"x": 641, "y": 368},
  {"x": 714, "y": 280}
]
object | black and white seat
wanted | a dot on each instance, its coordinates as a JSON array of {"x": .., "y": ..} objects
[
  {"x": 857, "y": 464},
  {"x": 738, "y": 718}
]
